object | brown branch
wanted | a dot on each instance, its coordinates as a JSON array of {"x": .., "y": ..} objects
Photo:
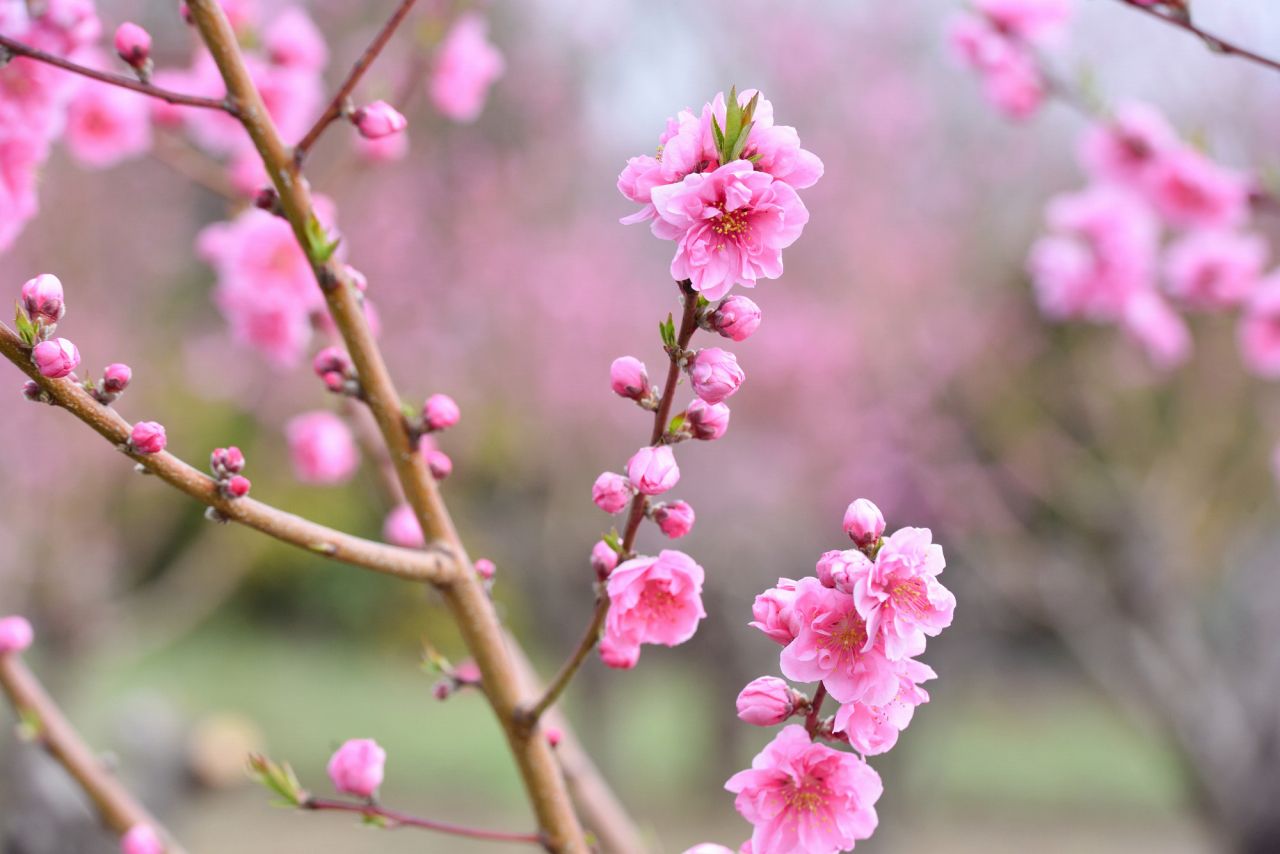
[
  {"x": 815, "y": 709},
  {"x": 1180, "y": 17},
  {"x": 463, "y": 594},
  {"x": 334, "y": 111},
  {"x": 434, "y": 566},
  {"x": 17, "y": 48},
  {"x": 661, "y": 417},
  {"x": 118, "y": 809},
  {"x": 395, "y": 819}
]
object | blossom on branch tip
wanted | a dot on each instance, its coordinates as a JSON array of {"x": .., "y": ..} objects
[
  {"x": 133, "y": 44},
  {"x": 378, "y": 120},
  {"x": 653, "y": 600},
  {"x": 141, "y": 839},
  {"x": 43, "y": 299},
  {"x": 715, "y": 374},
  {"x": 356, "y": 768},
  {"x": 147, "y": 437},
  {"x": 55, "y": 358},
  {"x": 16, "y": 634},
  {"x": 653, "y": 470},
  {"x": 611, "y": 492},
  {"x": 863, "y": 522}
]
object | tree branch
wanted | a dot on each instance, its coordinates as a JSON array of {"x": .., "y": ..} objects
[
  {"x": 1177, "y": 15},
  {"x": 396, "y": 819},
  {"x": 17, "y": 48}
]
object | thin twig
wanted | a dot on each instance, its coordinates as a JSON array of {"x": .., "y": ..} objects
[
  {"x": 336, "y": 106},
  {"x": 396, "y": 819},
  {"x": 19, "y": 49},
  {"x": 1216, "y": 43},
  {"x": 815, "y": 709}
]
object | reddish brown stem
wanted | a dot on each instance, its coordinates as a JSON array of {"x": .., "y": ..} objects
[
  {"x": 17, "y": 48},
  {"x": 396, "y": 819},
  {"x": 1183, "y": 22},
  {"x": 815, "y": 709}
]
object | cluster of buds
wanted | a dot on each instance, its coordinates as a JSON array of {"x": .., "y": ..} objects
[
  {"x": 115, "y": 379},
  {"x": 133, "y": 45},
  {"x": 334, "y": 367},
  {"x": 226, "y": 465},
  {"x": 38, "y": 312},
  {"x": 377, "y": 120}
]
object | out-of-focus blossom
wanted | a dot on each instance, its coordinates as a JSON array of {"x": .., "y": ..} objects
[
  {"x": 292, "y": 39},
  {"x": 603, "y": 559},
  {"x": 107, "y": 124},
  {"x": 321, "y": 448},
  {"x": 1214, "y": 269},
  {"x": 1123, "y": 149},
  {"x": 141, "y": 839},
  {"x": 1191, "y": 191},
  {"x": 401, "y": 528},
  {"x": 654, "y": 600},
  {"x": 465, "y": 67},
  {"x": 16, "y": 634},
  {"x": 438, "y": 463},
  {"x": 133, "y": 44},
  {"x": 1162, "y": 333},
  {"x": 356, "y": 768},
  {"x": 1260, "y": 329}
]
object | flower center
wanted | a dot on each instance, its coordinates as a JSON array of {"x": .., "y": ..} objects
[
  {"x": 730, "y": 223},
  {"x": 659, "y": 601},
  {"x": 808, "y": 796},
  {"x": 849, "y": 635},
  {"x": 910, "y": 596}
]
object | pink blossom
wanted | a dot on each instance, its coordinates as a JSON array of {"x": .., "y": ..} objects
[
  {"x": 55, "y": 358},
  {"x": 835, "y": 646},
  {"x": 603, "y": 559},
  {"x": 736, "y": 318},
  {"x": 237, "y": 487},
  {"x": 1026, "y": 20},
  {"x": 730, "y": 226},
  {"x": 440, "y": 412},
  {"x": 1162, "y": 333},
  {"x": 293, "y": 39},
  {"x": 715, "y": 375},
  {"x": 1124, "y": 149},
  {"x": 674, "y": 518},
  {"x": 1191, "y": 191},
  {"x": 708, "y": 848},
  {"x": 775, "y": 612},
  {"x": 43, "y": 299},
  {"x": 839, "y": 569},
  {"x": 107, "y": 124},
  {"x": 147, "y": 437},
  {"x": 485, "y": 568},
  {"x": 388, "y": 149},
  {"x": 133, "y": 44},
  {"x": 653, "y": 470},
  {"x": 801, "y": 795},
  {"x": 619, "y": 653},
  {"x": 116, "y": 377},
  {"x": 1214, "y": 269},
  {"x": 1015, "y": 85},
  {"x": 900, "y": 597},
  {"x": 465, "y": 68},
  {"x": 874, "y": 729},
  {"x": 16, "y": 634},
  {"x": 1259, "y": 331},
  {"x": 321, "y": 448},
  {"x": 356, "y": 767},
  {"x": 766, "y": 701},
  {"x": 21, "y": 154},
  {"x": 141, "y": 839},
  {"x": 628, "y": 378},
  {"x": 401, "y": 528},
  {"x": 707, "y": 421},
  {"x": 378, "y": 120},
  {"x": 611, "y": 492},
  {"x": 863, "y": 522},
  {"x": 439, "y": 463},
  {"x": 656, "y": 600}
]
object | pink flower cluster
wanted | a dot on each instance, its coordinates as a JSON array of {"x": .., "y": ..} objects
[
  {"x": 855, "y": 627},
  {"x": 466, "y": 65},
  {"x": 999, "y": 40},
  {"x": 1104, "y": 260}
]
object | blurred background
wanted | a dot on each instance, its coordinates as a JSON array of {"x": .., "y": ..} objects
[{"x": 1110, "y": 682}]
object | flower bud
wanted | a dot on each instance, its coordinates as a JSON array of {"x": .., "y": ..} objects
[
  {"x": 443, "y": 689},
  {"x": 774, "y": 612},
  {"x": 356, "y": 767},
  {"x": 224, "y": 462},
  {"x": 116, "y": 378},
  {"x": 133, "y": 43},
  {"x": 16, "y": 634},
  {"x": 440, "y": 464},
  {"x": 440, "y": 412},
  {"x": 402, "y": 529},
  {"x": 267, "y": 199},
  {"x": 55, "y": 358},
  {"x": 707, "y": 421},
  {"x": 864, "y": 523},
  {"x": 358, "y": 280},
  {"x": 603, "y": 559},
  {"x": 628, "y": 377},
  {"x": 675, "y": 519},
  {"x": 554, "y": 736},
  {"x": 379, "y": 119},
  {"x": 238, "y": 486},
  {"x": 653, "y": 470},
  {"x": 485, "y": 568},
  {"x": 43, "y": 299},
  {"x": 618, "y": 656},
  {"x": 736, "y": 318},
  {"x": 611, "y": 492},
  {"x": 147, "y": 437},
  {"x": 715, "y": 374},
  {"x": 141, "y": 838},
  {"x": 31, "y": 391},
  {"x": 839, "y": 569},
  {"x": 332, "y": 360},
  {"x": 766, "y": 701}
]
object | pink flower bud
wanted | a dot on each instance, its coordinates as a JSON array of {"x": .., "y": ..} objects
[
  {"x": 467, "y": 673},
  {"x": 440, "y": 464},
  {"x": 332, "y": 360},
  {"x": 377, "y": 120},
  {"x": 715, "y": 374},
  {"x": 839, "y": 569},
  {"x": 766, "y": 701},
  {"x": 863, "y": 522},
  {"x": 402, "y": 529},
  {"x": 618, "y": 656},
  {"x": 31, "y": 391},
  {"x": 358, "y": 280},
  {"x": 603, "y": 559},
  {"x": 116, "y": 378},
  {"x": 554, "y": 736},
  {"x": 321, "y": 448},
  {"x": 356, "y": 767},
  {"x": 238, "y": 486},
  {"x": 485, "y": 568},
  {"x": 224, "y": 462},
  {"x": 628, "y": 378},
  {"x": 736, "y": 318},
  {"x": 675, "y": 519},
  {"x": 55, "y": 358},
  {"x": 774, "y": 612},
  {"x": 141, "y": 838},
  {"x": 43, "y": 299},
  {"x": 147, "y": 437},
  {"x": 16, "y": 634},
  {"x": 611, "y": 492},
  {"x": 653, "y": 470},
  {"x": 707, "y": 421},
  {"x": 133, "y": 43},
  {"x": 442, "y": 690},
  {"x": 440, "y": 412},
  {"x": 334, "y": 382}
]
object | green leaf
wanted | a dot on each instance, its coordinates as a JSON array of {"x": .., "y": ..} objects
[
  {"x": 717, "y": 134},
  {"x": 29, "y": 725},
  {"x": 278, "y": 778},
  {"x": 735, "y": 151},
  {"x": 373, "y": 820},
  {"x": 676, "y": 423},
  {"x": 320, "y": 247},
  {"x": 668, "y": 331},
  {"x": 26, "y": 329},
  {"x": 613, "y": 541}
]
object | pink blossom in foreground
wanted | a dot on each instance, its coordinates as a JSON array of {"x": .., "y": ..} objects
[
  {"x": 1191, "y": 191},
  {"x": 674, "y": 518},
  {"x": 292, "y": 39},
  {"x": 465, "y": 68},
  {"x": 653, "y": 470},
  {"x": 55, "y": 358},
  {"x": 356, "y": 767},
  {"x": 707, "y": 421},
  {"x": 654, "y": 600},
  {"x": 863, "y": 522},
  {"x": 147, "y": 437},
  {"x": 141, "y": 839},
  {"x": 107, "y": 125},
  {"x": 730, "y": 226},
  {"x": 805, "y": 796},
  {"x": 736, "y": 318},
  {"x": 1124, "y": 149},
  {"x": 321, "y": 448},
  {"x": 378, "y": 120},
  {"x": 1160, "y": 331},
  {"x": 16, "y": 634},
  {"x": 775, "y": 613},
  {"x": 401, "y": 528},
  {"x": 874, "y": 729},
  {"x": 715, "y": 374},
  {"x": 611, "y": 492},
  {"x": 133, "y": 44},
  {"x": 766, "y": 701},
  {"x": 899, "y": 595},
  {"x": 1259, "y": 330},
  {"x": 1214, "y": 269},
  {"x": 628, "y": 378},
  {"x": 835, "y": 647},
  {"x": 43, "y": 299}
]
